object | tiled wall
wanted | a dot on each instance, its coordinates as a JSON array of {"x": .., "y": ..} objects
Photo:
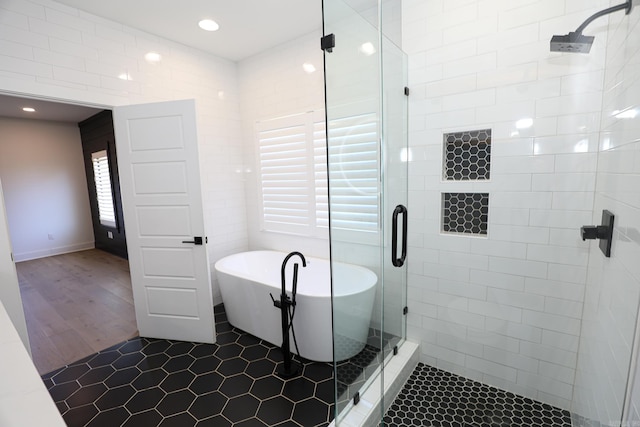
[
  {"x": 274, "y": 84},
  {"x": 505, "y": 308},
  {"x": 50, "y": 50},
  {"x": 613, "y": 284}
]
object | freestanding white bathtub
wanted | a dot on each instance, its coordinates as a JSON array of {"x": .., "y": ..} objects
[{"x": 246, "y": 280}]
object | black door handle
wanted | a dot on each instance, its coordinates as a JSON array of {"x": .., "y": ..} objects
[
  {"x": 196, "y": 240},
  {"x": 399, "y": 262}
]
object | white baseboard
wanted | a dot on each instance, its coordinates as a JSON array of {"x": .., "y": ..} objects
[{"x": 43, "y": 253}]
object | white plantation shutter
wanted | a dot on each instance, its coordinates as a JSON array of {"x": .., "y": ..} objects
[
  {"x": 320, "y": 172},
  {"x": 104, "y": 193},
  {"x": 354, "y": 156},
  {"x": 293, "y": 174},
  {"x": 284, "y": 175}
]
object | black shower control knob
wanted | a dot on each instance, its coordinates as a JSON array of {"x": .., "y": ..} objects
[{"x": 591, "y": 232}]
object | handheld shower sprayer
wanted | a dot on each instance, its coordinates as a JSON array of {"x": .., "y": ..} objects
[{"x": 575, "y": 41}]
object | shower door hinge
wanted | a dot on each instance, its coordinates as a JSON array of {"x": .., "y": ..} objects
[
  {"x": 328, "y": 42},
  {"x": 395, "y": 350},
  {"x": 356, "y": 398},
  {"x": 406, "y": 91},
  {"x": 405, "y": 310}
]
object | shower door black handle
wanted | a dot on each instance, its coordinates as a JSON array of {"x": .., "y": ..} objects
[{"x": 399, "y": 262}]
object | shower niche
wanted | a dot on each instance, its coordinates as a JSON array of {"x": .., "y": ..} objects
[{"x": 466, "y": 157}]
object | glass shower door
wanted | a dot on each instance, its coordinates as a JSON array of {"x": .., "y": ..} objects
[
  {"x": 367, "y": 168},
  {"x": 394, "y": 173}
]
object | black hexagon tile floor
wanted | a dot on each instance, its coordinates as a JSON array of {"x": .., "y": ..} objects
[
  {"x": 147, "y": 382},
  {"x": 432, "y": 397}
]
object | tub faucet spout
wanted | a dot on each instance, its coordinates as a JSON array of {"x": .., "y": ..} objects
[{"x": 285, "y": 303}]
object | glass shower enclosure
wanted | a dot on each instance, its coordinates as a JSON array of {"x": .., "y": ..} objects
[{"x": 367, "y": 152}]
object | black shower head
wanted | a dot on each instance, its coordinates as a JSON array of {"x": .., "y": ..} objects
[
  {"x": 572, "y": 42},
  {"x": 575, "y": 41}
]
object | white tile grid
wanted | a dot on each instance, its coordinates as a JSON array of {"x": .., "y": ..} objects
[
  {"x": 274, "y": 84},
  {"x": 613, "y": 285},
  {"x": 526, "y": 280},
  {"x": 79, "y": 57}
]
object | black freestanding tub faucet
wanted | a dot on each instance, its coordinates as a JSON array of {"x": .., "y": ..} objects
[{"x": 287, "y": 308}]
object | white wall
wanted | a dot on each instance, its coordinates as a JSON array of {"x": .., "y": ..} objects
[
  {"x": 45, "y": 188},
  {"x": 50, "y": 50},
  {"x": 613, "y": 284},
  {"x": 506, "y": 308},
  {"x": 273, "y": 84}
]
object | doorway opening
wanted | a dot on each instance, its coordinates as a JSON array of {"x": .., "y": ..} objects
[
  {"x": 77, "y": 299},
  {"x": 75, "y": 305}
]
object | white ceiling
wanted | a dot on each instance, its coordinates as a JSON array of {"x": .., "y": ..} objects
[
  {"x": 247, "y": 27},
  {"x": 11, "y": 106}
]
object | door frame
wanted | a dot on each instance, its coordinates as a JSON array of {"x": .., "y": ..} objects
[
  {"x": 113, "y": 102},
  {"x": 19, "y": 321}
]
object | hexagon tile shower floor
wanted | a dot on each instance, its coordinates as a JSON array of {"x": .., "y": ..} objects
[{"x": 432, "y": 397}]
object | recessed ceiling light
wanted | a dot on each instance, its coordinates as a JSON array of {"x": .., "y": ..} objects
[
  {"x": 153, "y": 57},
  {"x": 29, "y": 109},
  {"x": 308, "y": 67},
  {"x": 209, "y": 25}
]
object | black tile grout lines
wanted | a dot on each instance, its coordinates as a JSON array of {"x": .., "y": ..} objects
[{"x": 148, "y": 382}]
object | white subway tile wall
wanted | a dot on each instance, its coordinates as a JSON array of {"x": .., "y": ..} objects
[
  {"x": 504, "y": 308},
  {"x": 274, "y": 84},
  {"x": 613, "y": 284},
  {"x": 50, "y": 50}
]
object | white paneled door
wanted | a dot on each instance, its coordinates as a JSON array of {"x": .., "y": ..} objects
[
  {"x": 9, "y": 287},
  {"x": 162, "y": 204}
]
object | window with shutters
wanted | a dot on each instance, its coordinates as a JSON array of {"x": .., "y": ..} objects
[
  {"x": 293, "y": 174},
  {"x": 104, "y": 192}
]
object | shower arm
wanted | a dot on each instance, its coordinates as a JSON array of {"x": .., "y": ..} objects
[{"x": 628, "y": 5}]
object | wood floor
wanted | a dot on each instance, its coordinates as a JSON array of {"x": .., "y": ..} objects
[{"x": 75, "y": 305}]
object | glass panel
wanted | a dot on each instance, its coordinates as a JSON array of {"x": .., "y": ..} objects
[
  {"x": 396, "y": 156},
  {"x": 367, "y": 168},
  {"x": 352, "y": 80}
]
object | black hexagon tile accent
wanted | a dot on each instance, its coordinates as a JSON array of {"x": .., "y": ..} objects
[
  {"x": 236, "y": 385},
  {"x": 145, "y": 400},
  {"x": 432, "y": 397},
  {"x": 466, "y": 213},
  {"x": 177, "y": 381},
  {"x": 208, "y": 405},
  {"x": 148, "y": 379},
  {"x": 241, "y": 408},
  {"x": 467, "y": 155},
  {"x": 147, "y": 418},
  {"x": 147, "y": 382},
  {"x": 310, "y": 412},
  {"x": 260, "y": 368},
  {"x": 275, "y": 410},
  {"x": 206, "y": 383}
]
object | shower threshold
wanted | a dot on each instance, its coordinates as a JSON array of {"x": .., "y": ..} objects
[{"x": 397, "y": 369}]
